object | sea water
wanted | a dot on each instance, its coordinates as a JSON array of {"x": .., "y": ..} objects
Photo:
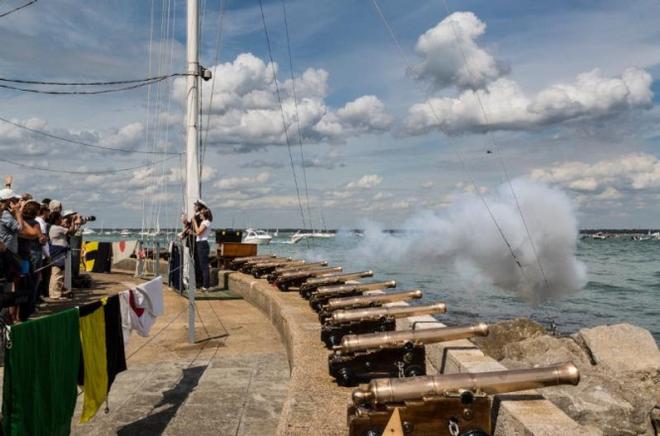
[{"x": 623, "y": 285}]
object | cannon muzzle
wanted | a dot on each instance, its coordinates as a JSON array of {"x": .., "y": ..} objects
[
  {"x": 401, "y": 338},
  {"x": 372, "y": 313},
  {"x": 369, "y": 300},
  {"x": 398, "y": 390}
]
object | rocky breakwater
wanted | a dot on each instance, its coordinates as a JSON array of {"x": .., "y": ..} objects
[{"x": 619, "y": 390}]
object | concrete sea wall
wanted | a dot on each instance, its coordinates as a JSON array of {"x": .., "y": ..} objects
[{"x": 316, "y": 405}]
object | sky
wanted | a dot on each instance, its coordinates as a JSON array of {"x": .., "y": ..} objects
[{"x": 393, "y": 116}]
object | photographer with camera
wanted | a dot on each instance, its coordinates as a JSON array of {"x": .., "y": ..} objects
[
  {"x": 196, "y": 232},
  {"x": 61, "y": 227},
  {"x": 30, "y": 251}
]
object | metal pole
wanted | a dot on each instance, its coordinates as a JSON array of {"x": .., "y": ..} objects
[
  {"x": 191, "y": 300},
  {"x": 192, "y": 166},
  {"x": 68, "y": 272}
]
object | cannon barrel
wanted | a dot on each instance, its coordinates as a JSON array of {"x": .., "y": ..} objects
[
  {"x": 242, "y": 260},
  {"x": 295, "y": 275},
  {"x": 372, "y": 313},
  {"x": 399, "y": 338},
  {"x": 277, "y": 263},
  {"x": 397, "y": 390},
  {"x": 354, "y": 287},
  {"x": 304, "y": 266},
  {"x": 334, "y": 278},
  {"x": 252, "y": 262},
  {"x": 370, "y": 300}
]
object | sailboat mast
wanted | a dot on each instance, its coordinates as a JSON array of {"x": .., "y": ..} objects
[
  {"x": 192, "y": 136},
  {"x": 192, "y": 121}
]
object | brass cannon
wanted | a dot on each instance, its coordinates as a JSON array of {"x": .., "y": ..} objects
[
  {"x": 450, "y": 404},
  {"x": 287, "y": 269},
  {"x": 292, "y": 280},
  {"x": 248, "y": 266},
  {"x": 366, "y": 300},
  {"x": 312, "y": 284},
  {"x": 360, "y": 358},
  {"x": 324, "y": 293},
  {"x": 239, "y": 261},
  {"x": 370, "y": 320},
  {"x": 261, "y": 269}
]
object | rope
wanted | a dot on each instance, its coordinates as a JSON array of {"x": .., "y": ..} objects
[
  {"x": 295, "y": 103},
  {"x": 115, "y": 82},
  {"x": 115, "y": 171},
  {"x": 17, "y": 8},
  {"x": 279, "y": 99},
  {"x": 84, "y": 144},
  {"x": 496, "y": 147},
  {"x": 103, "y": 91},
  {"x": 218, "y": 45},
  {"x": 458, "y": 154}
]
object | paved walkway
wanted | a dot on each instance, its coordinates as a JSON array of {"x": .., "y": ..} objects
[{"x": 233, "y": 381}]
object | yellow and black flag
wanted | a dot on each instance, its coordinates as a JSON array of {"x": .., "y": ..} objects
[{"x": 102, "y": 356}]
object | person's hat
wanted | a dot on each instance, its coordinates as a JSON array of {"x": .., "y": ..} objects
[
  {"x": 8, "y": 194},
  {"x": 202, "y": 203},
  {"x": 55, "y": 204},
  {"x": 67, "y": 213}
]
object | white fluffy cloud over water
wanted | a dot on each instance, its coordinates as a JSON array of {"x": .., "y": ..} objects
[
  {"x": 246, "y": 110},
  {"x": 451, "y": 56}
]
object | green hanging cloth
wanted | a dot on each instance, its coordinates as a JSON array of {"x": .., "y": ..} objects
[{"x": 41, "y": 367}]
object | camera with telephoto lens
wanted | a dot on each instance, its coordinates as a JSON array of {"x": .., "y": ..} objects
[{"x": 86, "y": 218}]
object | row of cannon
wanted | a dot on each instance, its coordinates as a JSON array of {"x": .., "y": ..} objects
[{"x": 358, "y": 326}]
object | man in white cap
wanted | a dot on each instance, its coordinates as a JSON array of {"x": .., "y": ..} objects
[{"x": 11, "y": 220}]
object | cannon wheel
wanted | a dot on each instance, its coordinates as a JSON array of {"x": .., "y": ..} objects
[
  {"x": 413, "y": 370},
  {"x": 345, "y": 377}
]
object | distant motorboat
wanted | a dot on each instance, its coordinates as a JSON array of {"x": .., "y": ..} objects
[
  {"x": 259, "y": 237},
  {"x": 125, "y": 232},
  {"x": 88, "y": 231}
]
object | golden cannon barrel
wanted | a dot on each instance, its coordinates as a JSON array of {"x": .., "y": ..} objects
[
  {"x": 242, "y": 260},
  {"x": 252, "y": 262},
  {"x": 295, "y": 275},
  {"x": 304, "y": 266},
  {"x": 370, "y": 300},
  {"x": 335, "y": 278},
  {"x": 354, "y": 287},
  {"x": 398, "y": 390},
  {"x": 374, "y": 313},
  {"x": 277, "y": 263},
  {"x": 399, "y": 338}
]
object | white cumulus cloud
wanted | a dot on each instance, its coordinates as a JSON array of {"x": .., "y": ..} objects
[
  {"x": 507, "y": 107},
  {"x": 450, "y": 54},
  {"x": 365, "y": 182},
  {"x": 246, "y": 110}
]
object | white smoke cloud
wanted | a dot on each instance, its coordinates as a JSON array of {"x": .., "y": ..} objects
[
  {"x": 508, "y": 108},
  {"x": 465, "y": 235},
  {"x": 451, "y": 56}
]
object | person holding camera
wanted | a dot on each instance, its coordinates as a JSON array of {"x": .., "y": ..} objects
[
  {"x": 30, "y": 242},
  {"x": 61, "y": 227}
]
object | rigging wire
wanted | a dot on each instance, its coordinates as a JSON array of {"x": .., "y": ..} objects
[
  {"x": 16, "y": 9},
  {"x": 114, "y": 82},
  {"x": 279, "y": 99},
  {"x": 496, "y": 148},
  {"x": 403, "y": 54},
  {"x": 97, "y": 92},
  {"x": 218, "y": 45},
  {"x": 81, "y": 143},
  {"x": 295, "y": 103},
  {"x": 84, "y": 173}
]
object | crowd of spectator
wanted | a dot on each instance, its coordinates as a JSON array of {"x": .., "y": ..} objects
[{"x": 34, "y": 240}]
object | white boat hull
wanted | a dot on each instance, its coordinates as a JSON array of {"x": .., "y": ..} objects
[{"x": 257, "y": 241}]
